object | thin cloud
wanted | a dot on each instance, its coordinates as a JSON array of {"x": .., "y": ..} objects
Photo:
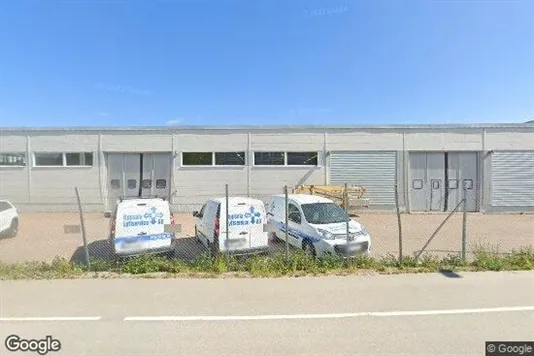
[{"x": 174, "y": 122}]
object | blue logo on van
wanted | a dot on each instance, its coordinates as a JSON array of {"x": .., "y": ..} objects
[
  {"x": 253, "y": 217},
  {"x": 153, "y": 216}
]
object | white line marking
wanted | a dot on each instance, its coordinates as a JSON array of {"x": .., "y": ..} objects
[
  {"x": 55, "y": 318},
  {"x": 329, "y": 316}
]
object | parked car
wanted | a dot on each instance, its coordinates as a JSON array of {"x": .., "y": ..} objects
[
  {"x": 9, "y": 219},
  {"x": 317, "y": 225},
  {"x": 246, "y": 225},
  {"x": 138, "y": 227}
]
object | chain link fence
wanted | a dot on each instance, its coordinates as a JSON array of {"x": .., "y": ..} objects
[{"x": 278, "y": 223}]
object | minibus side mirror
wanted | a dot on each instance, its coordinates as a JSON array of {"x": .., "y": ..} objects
[
  {"x": 107, "y": 215},
  {"x": 195, "y": 213}
]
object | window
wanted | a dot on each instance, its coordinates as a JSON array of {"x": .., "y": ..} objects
[
  {"x": 302, "y": 159},
  {"x": 468, "y": 184},
  {"x": 161, "y": 184},
  {"x": 4, "y": 205},
  {"x": 45, "y": 159},
  {"x": 79, "y": 159},
  {"x": 229, "y": 158},
  {"x": 324, "y": 213},
  {"x": 417, "y": 184},
  {"x": 115, "y": 184},
  {"x": 146, "y": 183},
  {"x": 269, "y": 158},
  {"x": 13, "y": 159},
  {"x": 197, "y": 158},
  {"x": 132, "y": 183},
  {"x": 294, "y": 214},
  {"x": 60, "y": 159},
  {"x": 453, "y": 183}
]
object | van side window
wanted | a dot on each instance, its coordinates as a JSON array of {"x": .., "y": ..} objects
[
  {"x": 294, "y": 214},
  {"x": 201, "y": 213}
]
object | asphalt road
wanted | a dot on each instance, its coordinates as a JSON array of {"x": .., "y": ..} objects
[{"x": 375, "y": 315}]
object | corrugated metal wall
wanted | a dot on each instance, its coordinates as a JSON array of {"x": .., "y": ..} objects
[
  {"x": 374, "y": 170},
  {"x": 512, "y": 178}
]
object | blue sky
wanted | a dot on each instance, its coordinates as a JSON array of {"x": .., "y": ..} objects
[{"x": 118, "y": 63}]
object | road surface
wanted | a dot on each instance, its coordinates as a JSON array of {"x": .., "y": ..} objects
[{"x": 428, "y": 314}]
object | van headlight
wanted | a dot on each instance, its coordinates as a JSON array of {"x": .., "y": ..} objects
[
  {"x": 326, "y": 234},
  {"x": 364, "y": 230}
]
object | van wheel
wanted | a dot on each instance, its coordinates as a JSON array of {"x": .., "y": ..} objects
[
  {"x": 13, "y": 228},
  {"x": 308, "y": 248}
]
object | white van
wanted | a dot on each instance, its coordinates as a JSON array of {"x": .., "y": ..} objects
[
  {"x": 317, "y": 225},
  {"x": 246, "y": 225},
  {"x": 139, "y": 226}
]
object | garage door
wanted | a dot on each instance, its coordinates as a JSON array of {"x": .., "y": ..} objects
[
  {"x": 375, "y": 171},
  {"x": 513, "y": 179}
]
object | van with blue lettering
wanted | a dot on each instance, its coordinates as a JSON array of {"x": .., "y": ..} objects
[
  {"x": 246, "y": 226},
  {"x": 316, "y": 225},
  {"x": 141, "y": 226}
]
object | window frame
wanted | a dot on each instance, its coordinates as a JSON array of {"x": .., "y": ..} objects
[
  {"x": 17, "y": 153},
  {"x": 63, "y": 159},
  {"x": 286, "y": 159},
  {"x": 285, "y": 164},
  {"x": 214, "y": 159},
  {"x": 196, "y": 165}
]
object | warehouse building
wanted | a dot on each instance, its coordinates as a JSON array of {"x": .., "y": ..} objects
[{"x": 40, "y": 167}]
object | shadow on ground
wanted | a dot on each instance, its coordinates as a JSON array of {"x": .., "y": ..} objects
[{"x": 186, "y": 248}]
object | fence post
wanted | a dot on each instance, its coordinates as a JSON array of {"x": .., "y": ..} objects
[
  {"x": 346, "y": 206},
  {"x": 82, "y": 223},
  {"x": 398, "y": 221},
  {"x": 464, "y": 223},
  {"x": 286, "y": 200},
  {"x": 227, "y": 220}
]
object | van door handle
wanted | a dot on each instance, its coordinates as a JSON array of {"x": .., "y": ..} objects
[
  {"x": 270, "y": 214},
  {"x": 243, "y": 233}
]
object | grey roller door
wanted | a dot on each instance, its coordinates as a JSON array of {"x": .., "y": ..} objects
[
  {"x": 376, "y": 171},
  {"x": 512, "y": 179}
]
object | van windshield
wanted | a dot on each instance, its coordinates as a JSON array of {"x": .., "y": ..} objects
[{"x": 324, "y": 213}]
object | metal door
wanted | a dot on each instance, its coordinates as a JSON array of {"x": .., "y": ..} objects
[
  {"x": 161, "y": 177},
  {"x": 115, "y": 178},
  {"x": 435, "y": 167},
  {"x": 147, "y": 175},
  {"x": 375, "y": 170},
  {"x": 468, "y": 163},
  {"x": 512, "y": 179},
  {"x": 131, "y": 171},
  {"x": 462, "y": 170},
  {"x": 418, "y": 187}
]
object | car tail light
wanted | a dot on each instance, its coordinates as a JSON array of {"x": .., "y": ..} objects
[
  {"x": 217, "y": 227},
  {"x": 113, "y": 228},
  {"x": 173, "y": 221}
]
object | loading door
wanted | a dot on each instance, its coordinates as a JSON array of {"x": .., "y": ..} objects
[
  {"x": 427, "y": 176},
  {"x": 462, "y": 171},
  {"x": 436, "y": 180},
  {"x": 138, "y": 175},
  {"x": 512, "y": 179},
  {"x": 374, "y": 170}
]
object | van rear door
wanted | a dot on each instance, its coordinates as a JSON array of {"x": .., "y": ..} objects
[
  {"x": 258, "y": 218},
  {"x": 244, "y": 222},
  {"x": 141, "y": 226}
]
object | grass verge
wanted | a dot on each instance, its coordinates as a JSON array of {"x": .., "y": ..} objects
[{"x": 298, "y": 264}]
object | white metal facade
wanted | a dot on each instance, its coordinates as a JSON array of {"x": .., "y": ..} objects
[{"x": 374, "y": 156}]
